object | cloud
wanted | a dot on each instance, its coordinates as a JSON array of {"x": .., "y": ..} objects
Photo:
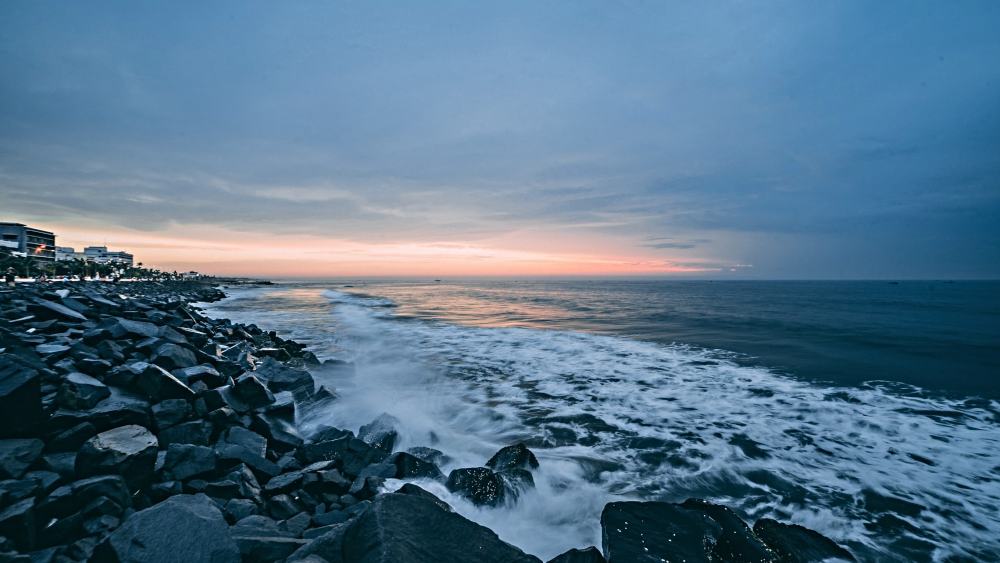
[{"x": 743, "y": 134}]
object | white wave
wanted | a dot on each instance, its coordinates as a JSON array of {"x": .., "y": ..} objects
[{"x": 611, "y": 417}]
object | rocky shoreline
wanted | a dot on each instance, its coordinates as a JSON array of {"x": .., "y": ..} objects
[{"x": 133, "y": 428}]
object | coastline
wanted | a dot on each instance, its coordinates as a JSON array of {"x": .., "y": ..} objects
[{"x": 135, "y": 428}]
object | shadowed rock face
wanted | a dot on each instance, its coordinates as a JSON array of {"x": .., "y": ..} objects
[
  {"x": 697, "y": 530},
  {"x": 412, "y": 528},
  {"x": 589, "y": 555},
  {"x": 129, "y": 451},
  {"x": 181, "y": 529},
  {"x": 796, "y": 544}
]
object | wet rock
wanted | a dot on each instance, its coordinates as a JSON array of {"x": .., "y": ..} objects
[
  {"x": 253, "y": 392},
  {"x": 129, "y": 451},
  {"x": 80, "y": 391},
  {"x": 181, "y": 529},
  {"x": 72, "y": 438},
  {"x": 16, "y": 456},
  {"x": 737, "y": 541},
  {"x": 330, "y": 518},
  {"x": 588, "y": 555},
  {"x": 411, "y": 467},
  {"x": 480, "y": 485},
  {"x": 656, "y": 531},
  {"x": 159, "y": 384},
  {"x": 20, "y": 400},
  {"x": 173, "y": 356},
  {"x": 517, "y": 456},
  {"x": 184, "y": 461},
  {"x": 431, "y": 455},
  {"x": 796, "y": 544},
  {"x": 281, "y": 434},
  {"x": 415, "y": 529},
  {"x": 411, "y": 489},
  {"x": 260, "y": 465},
  {"x": 381, "y": 432},
  {"x": 120, "y": 409},
  {"x": 280, "y": 377}
]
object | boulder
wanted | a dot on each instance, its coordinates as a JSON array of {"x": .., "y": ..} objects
[
  {"x": 184, "y": 461},
  {"x": 198, "y": 432},
  {"x": 254, "y": 393},
  {"x": 174, "y": 356},
  {"x": 18, "y": 523},
  {"x": 415, "y": 529},
  {"x": 121, "y": 328},
  {"x": 16, "y": 456},
  {"x": 20, "y": 399},
  {"x": 265, "y": 549},
  {"x": 796, "y": 544},
  {"x": 280, "y": 377},
  {"x": 640, "y": 532},
  {"x": 129, "y": 451},
  {"x": 181, "y": 529},
  {"x": 517, "y": 456},
  {"x": 43, "y": 310},
  {"x": 381, "y": 432},
  {"x": 159, "y": 384},
  {"x": 80, "y": 391},
  {"x": 480, "y": 485},
  {"x": 412, "y": 467},
  {"x": 589, "y": 555},
  {"x": 171, "y": 412},
  {"x": 737, "y": 541}
]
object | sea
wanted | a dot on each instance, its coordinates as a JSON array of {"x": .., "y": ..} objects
[{"x": 866, "y": 410}]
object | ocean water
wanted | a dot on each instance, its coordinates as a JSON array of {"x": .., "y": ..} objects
[{"x": 868, "y": 411}]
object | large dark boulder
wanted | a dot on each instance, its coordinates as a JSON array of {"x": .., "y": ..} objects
[
  {"x": 18, "y": 523},
  {"x": 517, "y": 456},
  {"x": 120, "y": 328},
  {"x": 16, "y": 456},
  {"x": 80, "y": 391},
  {"x": 129, "y": 451},
  {"x": 380, "y": 433},
  {"x": 174, "y": 356},
  {"x": 589, "y": 555},
  {"x": 181, "y": 529},
  {"x": 737, "y": 541},
  {"x": 411, "y": 528},
  {"x": 480, "y": 485},
  {"x": 652, "y": 532},
  {"x": 409, "y": 466},
  {"x": 796, "y": 544},
  {"x": 184, "y": 461},
  {"x": 254, "y": 393},
  {"x": 20, "y": 399},
  {"x": 159, "y": 384},
  {"x": 44, "y": 310},
  {"x": 280, "y": 377}
]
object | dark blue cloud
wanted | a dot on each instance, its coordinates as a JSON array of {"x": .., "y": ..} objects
[{"x": 812, "y": 140}]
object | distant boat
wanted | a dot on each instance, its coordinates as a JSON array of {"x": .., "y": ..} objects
[
  {"x": 893, "y": 283},
  {"x": 439, "y": 281}
]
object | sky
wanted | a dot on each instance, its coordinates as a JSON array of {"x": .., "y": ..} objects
[{"x": 765, "y": 140}]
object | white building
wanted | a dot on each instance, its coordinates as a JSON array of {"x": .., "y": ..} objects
[
  {"x": 101, "y": 255},
  {"x": 68, "y": 253}
]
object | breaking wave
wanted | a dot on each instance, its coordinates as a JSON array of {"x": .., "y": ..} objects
[{"x": 885, "y": 469}]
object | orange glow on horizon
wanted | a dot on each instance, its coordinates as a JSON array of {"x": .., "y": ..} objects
[{"x": 212, "y": 250}]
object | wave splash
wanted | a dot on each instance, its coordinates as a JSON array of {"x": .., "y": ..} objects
[{"x": 883, "y": 469}]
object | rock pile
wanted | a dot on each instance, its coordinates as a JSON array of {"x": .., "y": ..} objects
[{"x": 133, "y": 428}]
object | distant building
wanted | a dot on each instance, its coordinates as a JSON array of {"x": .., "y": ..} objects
[
  {"x": 68, "y": 253},
  {"x": 18, "y": 237},
  {"x": 101, "y": 255}
]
